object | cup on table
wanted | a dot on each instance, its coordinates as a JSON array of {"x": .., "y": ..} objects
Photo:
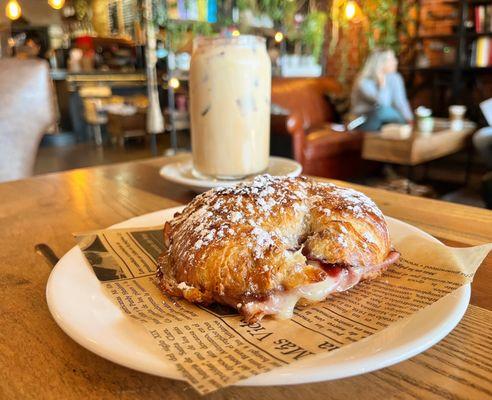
[
  {"x": 457, "y": 117},
  {"x": 425, "y": 122},
  {"x": 230, "y": 81}
]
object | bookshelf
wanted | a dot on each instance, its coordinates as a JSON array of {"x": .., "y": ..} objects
[{"x": 451, "y": 52}]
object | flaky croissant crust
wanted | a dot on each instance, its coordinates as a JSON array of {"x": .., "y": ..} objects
[{"x": 242, "y": 244}]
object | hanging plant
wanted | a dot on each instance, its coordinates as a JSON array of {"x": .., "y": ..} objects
[
  {"x": 176, "y": 29},
  {"x": 313, "y": 32},
  {"x": 202, "y": 28},
  {"x": 382, "y": 19},
  {"x": 81, "y": 9},
  {"x": 381, "y": 23},
  {"x": 177, "y": 34},
  {"x": 159, "y": 12},
  {"x": 281, "y": 12}
]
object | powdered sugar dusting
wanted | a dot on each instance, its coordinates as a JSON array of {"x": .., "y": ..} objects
[
  {"x": 244, "y": 213},
  {"x": 262, "y": 240},
  {"x": 184, "y": 286},
  {"x": 356, "y": 203},
  {"x": 225, "y": 213},
  {"x": 236, "y": 216},
  {"x": 247, "y": 244}
]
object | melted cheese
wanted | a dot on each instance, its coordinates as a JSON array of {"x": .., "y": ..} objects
[{"x": 282, "y": 304}]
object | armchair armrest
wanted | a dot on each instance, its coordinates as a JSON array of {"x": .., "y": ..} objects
[
  {"x": 290, "y": 125},
  {"x": 327, "y": 143}
]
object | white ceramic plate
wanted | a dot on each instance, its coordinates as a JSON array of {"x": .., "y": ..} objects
[
  {"x": 80, "y": 308},
  {"x": 180, "y": 172}
]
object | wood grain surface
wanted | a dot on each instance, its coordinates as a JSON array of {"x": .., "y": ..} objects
[
  {"x": 418, "y": 148},
  {"x": 38, "y": 361}
]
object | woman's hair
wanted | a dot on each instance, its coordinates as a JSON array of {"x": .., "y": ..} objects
[{"x": 374, "y": 63}]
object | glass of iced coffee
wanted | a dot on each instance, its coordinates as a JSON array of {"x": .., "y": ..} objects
[{"x": 230, "y": 80}]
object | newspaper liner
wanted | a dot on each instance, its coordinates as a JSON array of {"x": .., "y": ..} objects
[{"x": 212, "y": 347}]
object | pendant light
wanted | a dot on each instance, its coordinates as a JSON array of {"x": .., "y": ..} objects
[
  {"x": 13, "y": 10},
  {"x": 56, "y": 4},
  {"x": 350, "y": 9}
]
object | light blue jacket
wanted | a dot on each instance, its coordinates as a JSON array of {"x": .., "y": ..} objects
[{"x": 367, "y": 96}]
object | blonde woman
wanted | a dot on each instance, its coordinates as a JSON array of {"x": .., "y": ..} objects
[{"x": 379, "y": 93}]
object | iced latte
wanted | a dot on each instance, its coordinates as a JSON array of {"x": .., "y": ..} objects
[{"x": 230, "y": 80}]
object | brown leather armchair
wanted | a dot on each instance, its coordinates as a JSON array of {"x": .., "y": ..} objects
[
  {"x": 26, "y": 112},
  {"x": 304, "y": 133}
]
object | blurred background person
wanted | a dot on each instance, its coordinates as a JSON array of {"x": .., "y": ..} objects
[
  {"x": 31, "y": 48},
  {"x": 378, "y": 94}
]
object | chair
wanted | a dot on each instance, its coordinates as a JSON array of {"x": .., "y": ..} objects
[
  {"x": 304, "y": 132},
  {"x": 93, "y": 100},
  {"x": 127, "y": 118},
  {"x": 26, "y": 112}
]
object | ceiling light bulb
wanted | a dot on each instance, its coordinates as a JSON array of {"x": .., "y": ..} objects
[
  {"x": 350, "y": 9},
  {"x": 13, "y": 10},
  {"x": 174, "y": 83},
  {"x": 56, "y": 4}
]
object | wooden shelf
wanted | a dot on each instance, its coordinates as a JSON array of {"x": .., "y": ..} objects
[
  {"x": 453, "y": 82},
  {"x": 479, "y": 2},
  {"x": 469, "y": 35},
  {"x": 431, "y": 69},
  {"x": 474, "y": 35},
  {"x": 478, "y": 69},
  {"x": 437, "y": 37},
  {"x": 447, "y": 68},
  {"x": 467, "y": 2}
]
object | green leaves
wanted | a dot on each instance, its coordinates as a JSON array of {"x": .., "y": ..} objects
[
  {"x": 383, "y": 20},
  {"x": 313, "y": 32},
  {"x": 278, "y": 10},
  {"x": 388, "y": 20},
  {"x": 202, "y": 28}
]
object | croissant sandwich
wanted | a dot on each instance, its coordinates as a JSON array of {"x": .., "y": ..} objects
[{"x": 262, "y": 246}]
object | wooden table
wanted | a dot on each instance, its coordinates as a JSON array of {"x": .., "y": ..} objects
[
  {"x": 418, "y": 149},
  {"x": 38, "y": 361}
]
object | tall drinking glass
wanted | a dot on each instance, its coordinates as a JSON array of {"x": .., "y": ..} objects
[{"x": 230, "y": 81}]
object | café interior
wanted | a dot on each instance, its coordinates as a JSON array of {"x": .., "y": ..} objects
[
  {"x": 110, "y": 109},
  {"x": 97, "y": 91}
]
